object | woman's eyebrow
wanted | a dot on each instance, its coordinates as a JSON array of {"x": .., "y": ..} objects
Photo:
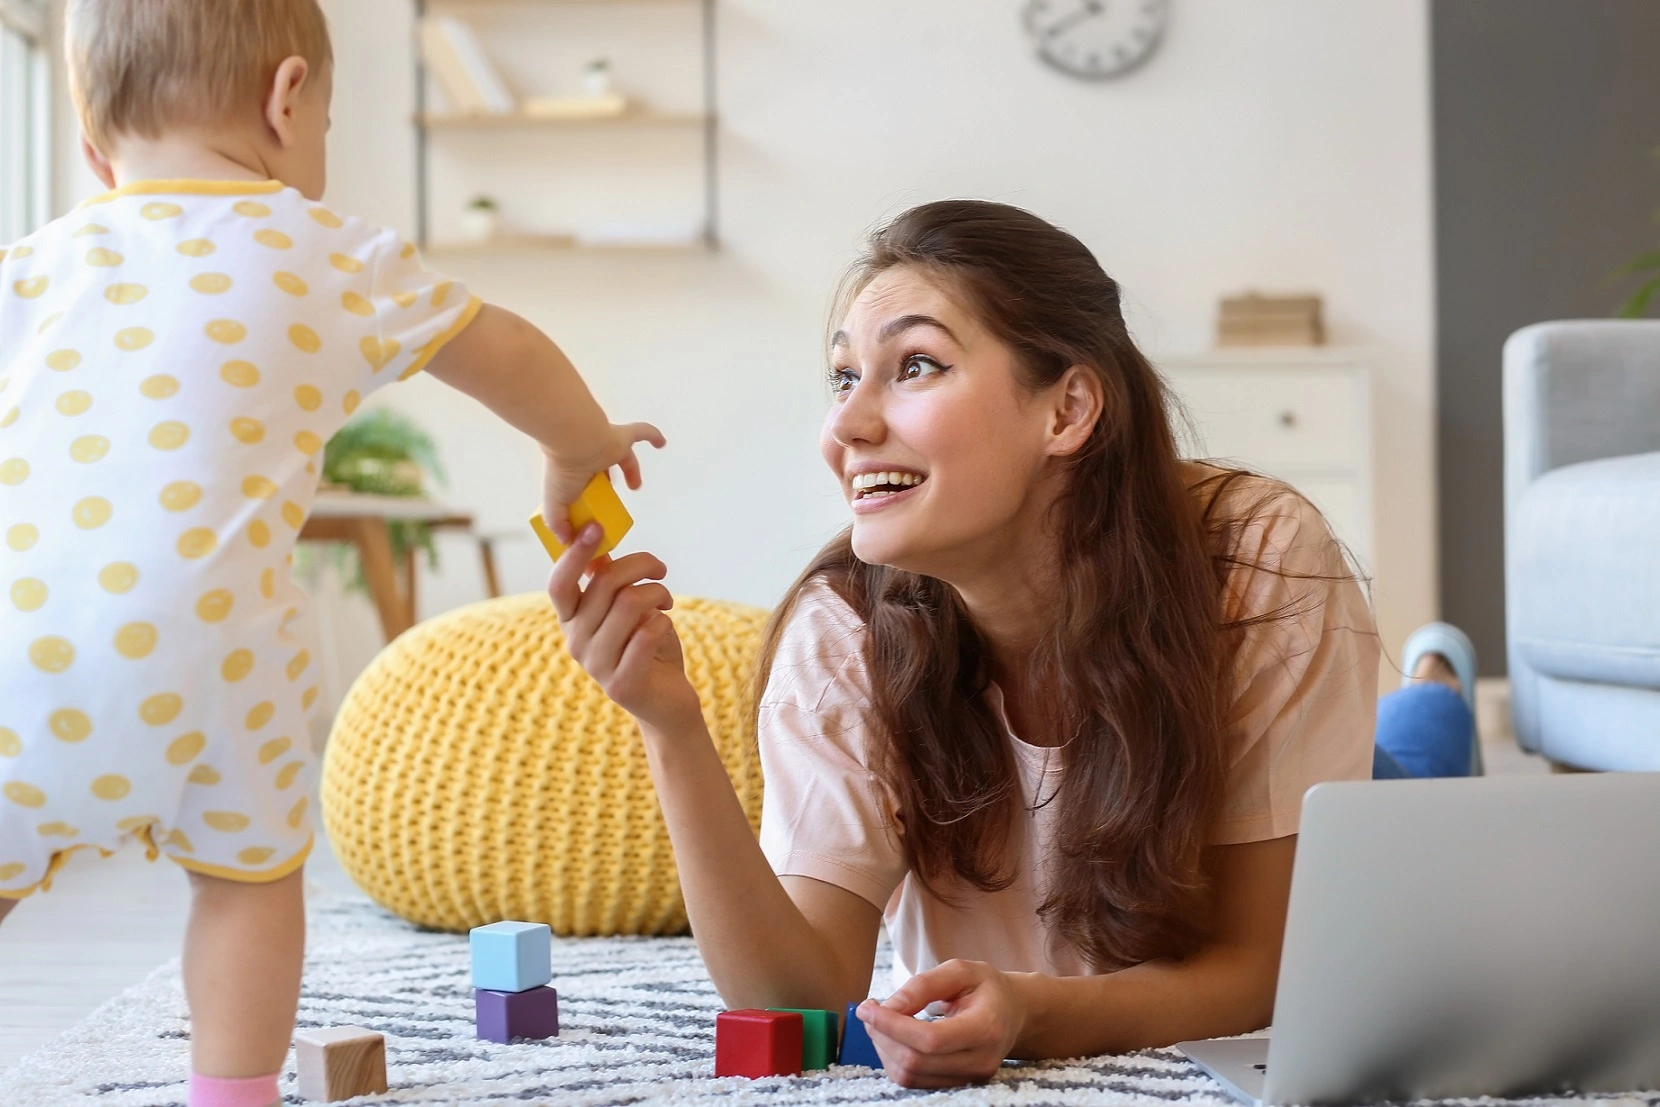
[
  {"x": 906, "y": 322},
  {"x": 895, "y": 326}
]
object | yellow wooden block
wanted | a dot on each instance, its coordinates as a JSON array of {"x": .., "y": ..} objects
[{"x": 598, "y": 503}]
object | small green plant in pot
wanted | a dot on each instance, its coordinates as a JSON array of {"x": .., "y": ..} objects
[{"x": 383, "y": 453}]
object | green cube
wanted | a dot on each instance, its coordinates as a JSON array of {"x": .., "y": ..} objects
[{"x": 818, "y": 1037}]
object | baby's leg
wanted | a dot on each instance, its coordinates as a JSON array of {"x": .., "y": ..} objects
[{"x": 242, "y": 955}]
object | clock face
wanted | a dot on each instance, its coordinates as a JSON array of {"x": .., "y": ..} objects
[{"x": 1096, "y": 38}]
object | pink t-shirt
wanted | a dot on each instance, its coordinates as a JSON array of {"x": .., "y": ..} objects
[{"x": 1304, "y": 713}]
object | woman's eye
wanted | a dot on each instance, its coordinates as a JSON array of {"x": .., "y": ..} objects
[
  {"x": 918, "y": 365},
  {"x": 842, "y": 380}
]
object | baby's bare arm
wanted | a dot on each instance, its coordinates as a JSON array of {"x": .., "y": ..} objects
[{"x": 517, "y": 372}]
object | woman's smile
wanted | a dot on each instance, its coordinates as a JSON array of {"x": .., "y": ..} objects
[{"x": 882, "y": 488}]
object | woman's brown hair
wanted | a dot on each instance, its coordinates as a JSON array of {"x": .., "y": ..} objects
[{"x": 1138, "y": 659}]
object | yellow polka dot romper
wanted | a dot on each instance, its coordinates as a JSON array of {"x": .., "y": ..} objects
[{"x": 173, "y": 356}]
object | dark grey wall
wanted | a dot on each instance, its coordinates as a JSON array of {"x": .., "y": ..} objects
[{"x": 1545, "y": 115}]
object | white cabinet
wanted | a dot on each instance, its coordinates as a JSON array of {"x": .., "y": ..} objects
[{"x": 1304, "y": 416}]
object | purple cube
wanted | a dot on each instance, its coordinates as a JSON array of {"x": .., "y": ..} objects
[{"x": 503, "y": 1016}]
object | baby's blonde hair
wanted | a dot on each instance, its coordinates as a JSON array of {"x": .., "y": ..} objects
[{"x": 142, "y": 67}]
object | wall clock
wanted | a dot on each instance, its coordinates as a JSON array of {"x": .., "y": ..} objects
[{"x": 1096, "y": 39}]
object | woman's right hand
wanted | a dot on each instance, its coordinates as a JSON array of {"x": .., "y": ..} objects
[{"x": 617, "y": 631}]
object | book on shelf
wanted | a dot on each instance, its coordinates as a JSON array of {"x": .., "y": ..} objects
[
  {"x": 1257, "y": 320},
  {"x": 458, "y": 62}
]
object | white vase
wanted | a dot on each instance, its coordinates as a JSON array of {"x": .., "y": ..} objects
[{"x": 480, "y": 224}]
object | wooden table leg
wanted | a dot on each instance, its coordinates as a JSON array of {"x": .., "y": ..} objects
[
  {"x": 411, "y": 556},
  {"x": 373, "y": 540},
  {"x": 487, "y": 554}
]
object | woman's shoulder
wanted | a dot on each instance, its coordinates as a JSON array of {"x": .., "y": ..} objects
[
  {"x": 1264, "y": 525},
  {"x": 820, "y": 658}
]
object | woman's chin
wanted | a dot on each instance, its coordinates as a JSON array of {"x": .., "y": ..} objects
[{"x": 878, "y": 544}]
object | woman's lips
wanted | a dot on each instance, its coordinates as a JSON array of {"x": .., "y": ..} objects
[{"x": 865, "y": 505}]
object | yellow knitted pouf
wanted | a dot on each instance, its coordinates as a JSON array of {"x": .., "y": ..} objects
[{"x": 476, "y": 773}]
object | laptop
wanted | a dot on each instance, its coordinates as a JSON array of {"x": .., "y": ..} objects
[{"x": 1448, "y": 938}]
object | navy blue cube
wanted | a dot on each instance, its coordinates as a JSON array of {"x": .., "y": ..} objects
[
  {"x": 857, "y": 1048},
  {"x": 503, "y": 1016}
]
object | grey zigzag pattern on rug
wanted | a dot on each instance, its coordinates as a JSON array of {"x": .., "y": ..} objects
[{"x": 637, "y": 1018}]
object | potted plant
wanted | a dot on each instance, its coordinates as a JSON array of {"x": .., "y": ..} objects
[
  {"x": 383, "y": 453},
  {"x": 481, "y": 219}
]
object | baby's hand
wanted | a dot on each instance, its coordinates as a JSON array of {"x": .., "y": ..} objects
[{"x": 564, "y": 477}]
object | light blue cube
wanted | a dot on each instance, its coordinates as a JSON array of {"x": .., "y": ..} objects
[{"x": 512, "y": 956}]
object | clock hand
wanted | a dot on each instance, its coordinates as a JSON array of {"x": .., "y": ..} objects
[{"x": 1089, "y": 10}]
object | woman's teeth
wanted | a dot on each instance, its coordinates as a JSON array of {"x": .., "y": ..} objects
[{"x": 866, "y": 485}]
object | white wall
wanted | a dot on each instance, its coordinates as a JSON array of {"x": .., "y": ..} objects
[{"x": 1280, "y": 144}]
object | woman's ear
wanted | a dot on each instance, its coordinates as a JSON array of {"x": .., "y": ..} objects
[
  {"x": 283, "y": 99},
  {"x": 1078, "y": 402}
]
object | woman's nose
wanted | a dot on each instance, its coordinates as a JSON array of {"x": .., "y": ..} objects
[{"x": 857, "y": 417}]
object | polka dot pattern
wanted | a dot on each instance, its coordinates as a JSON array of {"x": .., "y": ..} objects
[
  {"x": 154, "y": 501},
  {"x": 239, "y": 374},
  {"x": 136, "y": 641},
  {"x": 29, "y": 594},
  {"x": 186, "y": 748},
  {"x": 161, "y": 709},
  {"x": 211, "y": 284},
  {"x": 92, "y": 512},
  {"x": 226, "y": 331},
  {"x": 159, "y": 387},
  {"x": 69, "y": 725},
  {"x": 118, "y": 577}
]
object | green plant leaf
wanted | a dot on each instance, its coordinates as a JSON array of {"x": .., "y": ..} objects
[
  {"x": 1638, "y": 264},
  {"x": 1637, "y": 306}
]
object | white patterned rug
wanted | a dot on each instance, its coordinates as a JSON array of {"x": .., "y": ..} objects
[{"x": 637, "y": 1020}]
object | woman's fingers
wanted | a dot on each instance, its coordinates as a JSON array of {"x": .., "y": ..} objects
[
  {"x": 628, "y": 612},
  {"x": 565, "y": 583},
  {"x": 605, "y": 582},
  {"x": 941, "y": 983}
]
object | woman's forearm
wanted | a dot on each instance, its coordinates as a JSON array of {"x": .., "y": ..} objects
[
  {"x": 1217, "y": 992},
  {"x": 760, "y": 950}
]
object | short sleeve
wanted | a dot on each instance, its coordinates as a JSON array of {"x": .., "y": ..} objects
[
  {"x": 825, "y": 814},
  {"x": 1306, "y": 672},
  {"x": 415, "y": 312}
]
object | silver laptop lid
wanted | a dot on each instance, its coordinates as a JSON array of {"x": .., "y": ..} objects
[{"x": 1488, "y": 936}]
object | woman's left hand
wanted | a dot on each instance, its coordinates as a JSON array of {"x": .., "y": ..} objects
[{"x": 984, "y": 1014}]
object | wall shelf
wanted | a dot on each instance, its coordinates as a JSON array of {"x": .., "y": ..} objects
[
  {"x": 430, "y": 124},
  {"x": 516, "y": 244},
  {"x": 520, "y": 119}
]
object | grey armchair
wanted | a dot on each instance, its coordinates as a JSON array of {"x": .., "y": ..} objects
[{"x": 1582, "y": 541}]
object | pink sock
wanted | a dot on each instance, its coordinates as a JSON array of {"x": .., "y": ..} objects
[{"x": 251, "y": 1091}]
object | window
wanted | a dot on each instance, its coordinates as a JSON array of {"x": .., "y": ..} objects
[{"x": 25, "y": 119}]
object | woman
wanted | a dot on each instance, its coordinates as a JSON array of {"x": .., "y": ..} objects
[{"x": 1050, "y": 705}]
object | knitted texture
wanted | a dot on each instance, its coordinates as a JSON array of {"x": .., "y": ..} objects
[{"x": 475, "y": 772}]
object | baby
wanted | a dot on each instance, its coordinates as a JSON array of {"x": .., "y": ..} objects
[{"x": 173, "y": 356}]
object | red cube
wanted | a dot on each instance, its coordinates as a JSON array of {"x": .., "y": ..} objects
[{"x": 758, "y": 1043}]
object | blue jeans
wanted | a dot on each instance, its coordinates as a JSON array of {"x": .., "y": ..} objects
[{"x": 1423, "y": 730}]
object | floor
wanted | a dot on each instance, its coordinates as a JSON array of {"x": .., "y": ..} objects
[{"x": 107, "y": 923}]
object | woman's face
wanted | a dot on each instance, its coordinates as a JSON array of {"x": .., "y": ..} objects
[{"x": 937, "y": 444}]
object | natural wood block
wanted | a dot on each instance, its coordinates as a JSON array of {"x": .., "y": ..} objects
[{"x": 340, "y": 1062}]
